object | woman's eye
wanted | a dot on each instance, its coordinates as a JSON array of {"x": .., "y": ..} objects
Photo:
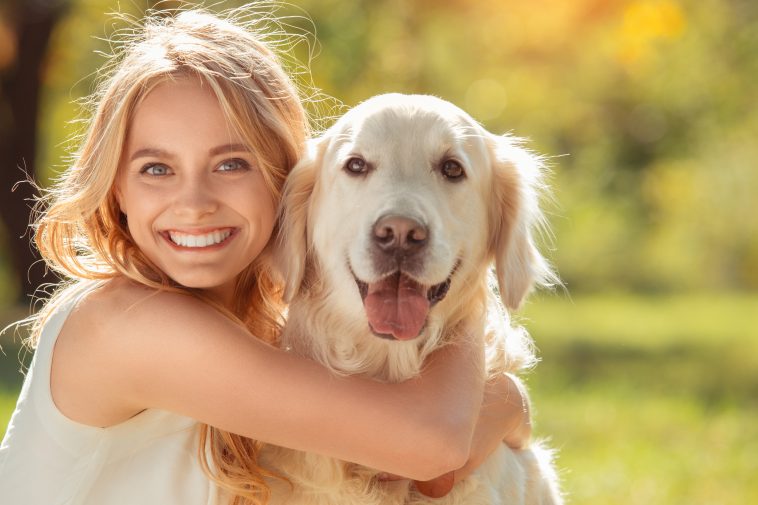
[
  {"x": 356, "y": 166},
  {"x": 232, "y": 165},
  {"x": 155, "y": 169},
  {"x": 452, "y": 170}
]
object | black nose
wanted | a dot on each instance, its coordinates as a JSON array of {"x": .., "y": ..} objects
[{"x": 399, "y": 234}]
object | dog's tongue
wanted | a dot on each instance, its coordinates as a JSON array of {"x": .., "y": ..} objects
[{"x": 397, "y": 306}]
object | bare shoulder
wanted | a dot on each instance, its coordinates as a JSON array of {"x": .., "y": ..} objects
[
  {"x": 119, "y": 296},
  {"x": 122, "y": 308},
  {"x": 129, "y": 326},
  {"x": 114, "y": 335},
  {"x": 95, "y": 317}
]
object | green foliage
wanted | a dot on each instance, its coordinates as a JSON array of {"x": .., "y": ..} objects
[
  {"x": 14, "y": 358},
  {"x": 642, "y": 105}
]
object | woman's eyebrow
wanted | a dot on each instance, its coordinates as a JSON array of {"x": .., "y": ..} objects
[
  {"x": 150, "y": 152},
  {"x": 155, "y": 152},
  {"x": 228, "y": 148}
]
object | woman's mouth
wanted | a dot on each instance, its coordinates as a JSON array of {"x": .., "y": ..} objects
[{"x": 198, "y": 240}]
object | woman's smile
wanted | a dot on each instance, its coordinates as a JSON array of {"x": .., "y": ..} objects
[{"x": 206, "y": 240}]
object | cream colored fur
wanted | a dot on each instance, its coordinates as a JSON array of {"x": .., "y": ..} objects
[{"x": 487, "y": 218}]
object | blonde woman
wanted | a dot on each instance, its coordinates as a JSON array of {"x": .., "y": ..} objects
[{"x": 153, "y": 374}]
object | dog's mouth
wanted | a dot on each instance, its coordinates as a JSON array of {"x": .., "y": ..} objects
[{"x": 397, "y": 306}]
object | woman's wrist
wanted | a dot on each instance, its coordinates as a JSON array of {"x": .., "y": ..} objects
[{"x": 504, "y": 417}]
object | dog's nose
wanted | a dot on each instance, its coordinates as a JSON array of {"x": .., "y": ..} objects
[{"x": 400, "y": 234}]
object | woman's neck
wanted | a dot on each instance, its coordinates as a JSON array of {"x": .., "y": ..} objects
[{"x": 223, "y": 294}]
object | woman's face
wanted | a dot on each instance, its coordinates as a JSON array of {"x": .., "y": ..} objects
[{"x": 196, "y": 203}]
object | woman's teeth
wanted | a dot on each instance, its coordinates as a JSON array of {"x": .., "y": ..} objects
[{"x": 187, "y": 240}]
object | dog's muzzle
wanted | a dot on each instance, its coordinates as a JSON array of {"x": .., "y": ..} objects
[{"x": 397, "y": 305}]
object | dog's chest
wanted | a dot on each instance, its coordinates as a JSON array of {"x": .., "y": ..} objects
[
  {"x": 345, "y": 347},
  {"x": 313, "y": 479}
]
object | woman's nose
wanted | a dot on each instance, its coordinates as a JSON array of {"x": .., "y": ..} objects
[{"x": 196, "y": 198}]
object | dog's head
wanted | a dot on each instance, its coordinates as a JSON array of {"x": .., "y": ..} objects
[{"x": 406, "y": 199}]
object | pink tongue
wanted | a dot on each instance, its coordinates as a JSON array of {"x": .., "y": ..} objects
[{"x": 396, "y": 306}]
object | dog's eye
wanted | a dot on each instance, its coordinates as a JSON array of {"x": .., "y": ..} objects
[
  {"x": 356, "y": 166},
  {"x": 452, "y": 170}
]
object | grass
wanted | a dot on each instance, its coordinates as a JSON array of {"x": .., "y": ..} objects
[{"x": 649, "y": 400}]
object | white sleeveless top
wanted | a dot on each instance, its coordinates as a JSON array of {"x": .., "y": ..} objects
[{"x": 48, "y": 459}]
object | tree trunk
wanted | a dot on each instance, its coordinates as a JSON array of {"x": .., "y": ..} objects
[{"x": 20, "y": 87}]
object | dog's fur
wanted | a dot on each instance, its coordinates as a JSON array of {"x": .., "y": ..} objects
[{"x": 330, "y": 245}]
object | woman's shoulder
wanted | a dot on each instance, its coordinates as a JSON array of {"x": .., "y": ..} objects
[
  {"x": 121, "y": 317},
  {"x": 117, "y": 334},
  {"x": 118, "y": 300},
  {"x": 118, "y": 318}
]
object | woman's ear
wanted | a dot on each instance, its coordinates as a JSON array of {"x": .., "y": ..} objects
[
  {"x": 515, "y": 217},
  {"x": 292, "y": 242}
]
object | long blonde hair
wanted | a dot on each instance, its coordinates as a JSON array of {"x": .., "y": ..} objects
[{"x": 81, "y": 233}]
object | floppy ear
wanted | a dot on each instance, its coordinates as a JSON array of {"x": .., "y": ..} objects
[
  {"x": 515, "y": 217},
  {"x": 292, "y": 239}
]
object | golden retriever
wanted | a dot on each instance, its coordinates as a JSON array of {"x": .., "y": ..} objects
[{"x": 390, "y": 224}]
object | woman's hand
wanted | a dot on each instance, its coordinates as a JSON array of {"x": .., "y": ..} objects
[{"x": 504, "y": 418}]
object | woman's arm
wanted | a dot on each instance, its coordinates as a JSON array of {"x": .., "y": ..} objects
[{"x": 173, "y": 352}]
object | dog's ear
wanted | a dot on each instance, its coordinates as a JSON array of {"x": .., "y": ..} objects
[
  {"x": 292, "y": 238},
  {"x": 515, "y": 217}
]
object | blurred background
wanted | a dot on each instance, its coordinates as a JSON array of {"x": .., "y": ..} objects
[{"x": 646, "y": 109}]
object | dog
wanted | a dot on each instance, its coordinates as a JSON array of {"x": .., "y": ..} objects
[{"x": 390, "y": 224}]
